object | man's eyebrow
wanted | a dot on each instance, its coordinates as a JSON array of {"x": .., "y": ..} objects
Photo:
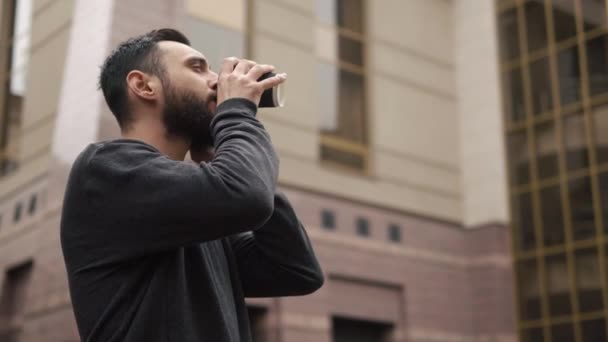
[{"x": 200, "y": 60}]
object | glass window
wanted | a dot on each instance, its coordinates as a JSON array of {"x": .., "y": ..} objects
[
  {"x": 394, "y": 233},
  {"x": 514, "y": 95},
  {"x": 553, "y": 221},
  {"x": 564, "y": 21},
  {"x": 17, "y": 214},
  {"x": 327, "y": 92},
  {"x": 569, "y": 76},
  {"x": 529, "y": 294},
  {"x": 594, "y": 330},
  {"x": 342, "y": 85},
  {"x": 581, "y": 208},
  {"x": 589, "y": 286},
  {"x": 344, "y": 114},
  {"x": 597, "y": 63},
  {"x": 326, "y": 11},
  {"x": 562, "y": 333},
  {"x": 509, "y": 34},
  {"x": 523, "y": 222},
  {"x": 575, "y": 142},
  {"x": 541, "y": 86},
  {"x": 350, "y": 15},
  {"x": 600, "y": 128},
  {"x": 12, "y": 298},
  {"x": 546, "y": 150},
  {"x": 519, "y": 158},
  {"x": 362, "y": 227},
  {"x": 342, "y": 157},
  {"x": 328, "y": 219},
  {"x": 536, "y": 25},
  {"x": 350, "y": 50},
  {"x": 594, "y": 14},
  {"x": 558, "y": 290},
  {"x": 14, "y": 78},
  {"x": 603, "y": 181},
  {"x": 352, "y": 107},
  {"x": 354, "y": 330},
  {"x": 33, "y": 204},
  {"x": 532, "y": 335}
]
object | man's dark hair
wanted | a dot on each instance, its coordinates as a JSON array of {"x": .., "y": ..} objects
[{"x": 138, "y": 53}]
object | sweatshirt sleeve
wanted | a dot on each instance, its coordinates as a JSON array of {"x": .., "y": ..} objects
[
  {"x": 146, "y": 202},
  {"x": 277, "y": 259}
]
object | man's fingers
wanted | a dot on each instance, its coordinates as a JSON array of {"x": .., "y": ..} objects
[
  {"x": 244, "y": 66},
  {"x": 228, "y": 65},
  {"x": 273, "y": 81},
  {"x": 260, "y": 69}
]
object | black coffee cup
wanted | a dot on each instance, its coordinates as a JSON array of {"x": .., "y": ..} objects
[{"x": 273, "y": 97}]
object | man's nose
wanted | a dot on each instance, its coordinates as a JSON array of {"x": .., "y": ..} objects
[{"x": 213, "y": 81}]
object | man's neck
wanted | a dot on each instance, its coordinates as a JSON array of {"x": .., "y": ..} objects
[{"x": 156, "y": 135}]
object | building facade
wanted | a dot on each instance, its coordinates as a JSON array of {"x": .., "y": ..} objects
[
  {"x": 554, "y": 69},
  {"x": 391, "y": 145}
]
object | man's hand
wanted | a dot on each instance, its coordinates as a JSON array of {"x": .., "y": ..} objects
[{"x": 238, "y": 78}]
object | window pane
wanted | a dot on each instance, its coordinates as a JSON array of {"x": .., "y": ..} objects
[
  {"x": 594, "y": 14},
  {"x": 348, "y": 159},
  {"x": 558, "y": 290},
  {"x": 509, "y": 35},
  {"x": 603, "y": 180},
  {"x": 21, "y": 46},
  {"x": 350, "y": 50},
  {"x": 541, "y": 86},
  {"x": 519, "y": 159},
  {"x": 594, "y": 330},
  {"x": 326, "y": 11},
  {"x": 589, "y": 286},
  {"x": 514, "y": 95},
  {"x": 532, "y": 335},
  {"x": 351, "y": 107},
  {"x": 546, "y": 150},
  {"x": 350, "y": 15},
  {"x": 529, "y": 294},
  {"x": 575, "y": 143},
  {"x": 362, "y": 227},
  {"x": 562, "y": 333},
  {"x": 553, "y": 221},
  {"x": 394, "y": 233},
  {"x": 569, "y": 76},
  {"x": 523, "y": 222},
  {"x": 327, "y": 94},
  {"x": 581, "y": 206},
  {"x": 597, "y": 62},
  {"x": 328, "y": 219},
  {"x": 536, "y": 26},
  {"x": 564, "y": 21},
  {"x": 600, "y": 128}
]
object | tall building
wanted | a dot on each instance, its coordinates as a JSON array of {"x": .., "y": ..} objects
[
  {"x": 411, "y": 139},
  {"x": 554, "y": 69}
]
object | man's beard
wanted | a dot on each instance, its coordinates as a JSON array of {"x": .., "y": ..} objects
[{"x": 186, "y": 115}]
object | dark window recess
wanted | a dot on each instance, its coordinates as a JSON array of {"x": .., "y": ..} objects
[
  {"x": 18, "y": 210},
  {"x": 33, "y": 204},
  {"x": 350, "y": 330},
  {"x": 362, "y": 227},
  {"x": 258, "y": 323},
  {"x": 328, "y": 219},
  {"x": 12, "y": 301},
  {"x": 394, "y": 233}
]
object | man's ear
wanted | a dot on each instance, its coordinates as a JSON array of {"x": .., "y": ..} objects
[{"x": 143, "y": 85}]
